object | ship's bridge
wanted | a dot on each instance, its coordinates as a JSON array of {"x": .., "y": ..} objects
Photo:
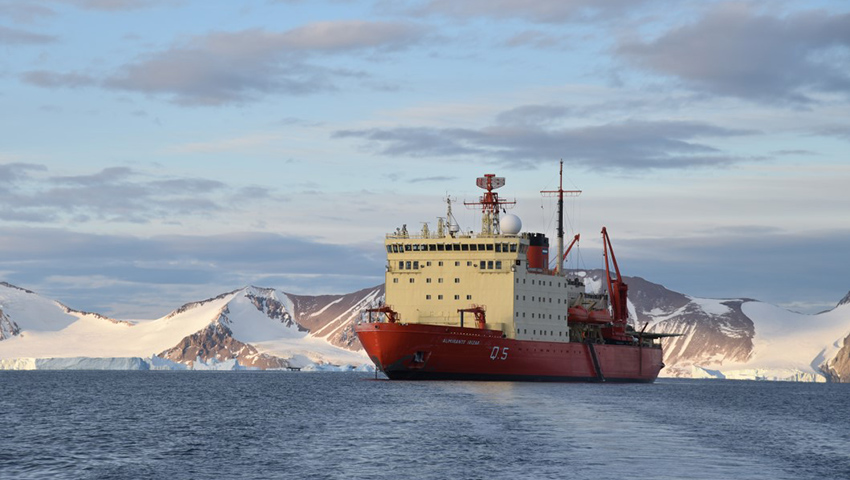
[{"x": 431, "y": 277}]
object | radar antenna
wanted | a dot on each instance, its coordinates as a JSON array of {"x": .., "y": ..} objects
[{"x": 490, "y": 203}]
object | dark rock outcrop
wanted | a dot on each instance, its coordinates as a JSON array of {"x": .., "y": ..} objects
[{"x": 216, "y": 342}]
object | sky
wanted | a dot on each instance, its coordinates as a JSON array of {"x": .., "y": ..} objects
[{"x": 158, "y": 152}]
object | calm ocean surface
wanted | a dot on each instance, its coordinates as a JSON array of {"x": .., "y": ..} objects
[{"x": 265, "y": 425}]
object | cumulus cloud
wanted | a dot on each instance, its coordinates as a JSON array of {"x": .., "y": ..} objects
[
  {"x": 735, "y": 51},
  {"x": 16, "y": 36},
  {"x": 24, "y": 12},
  {"x": 236, "y": 67},
  {"x": 47, "y": 79},
  {"x": 627, "y": 145},
  {"x": 542, "y": 11},
  {"x": 110, "y": 273},
  {"x": 116, "y": 194},
  {"x": 114, "y": 5},
  {"x": 225, "y": 67}
]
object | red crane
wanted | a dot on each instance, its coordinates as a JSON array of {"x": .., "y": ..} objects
[
  {"x": 617, "y": 289},
  {"x": 617, "y": 295}
]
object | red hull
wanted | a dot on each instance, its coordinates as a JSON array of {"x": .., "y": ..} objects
[{"x": 432, "y": 352}]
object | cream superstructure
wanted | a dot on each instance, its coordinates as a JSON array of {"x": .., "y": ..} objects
[{"x": 429, "y": 278}]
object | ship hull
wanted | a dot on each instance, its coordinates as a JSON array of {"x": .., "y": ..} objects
[{"x": 436, "y": 352}]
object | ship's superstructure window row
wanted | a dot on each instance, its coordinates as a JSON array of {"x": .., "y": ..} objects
[{"x": 457, "y": 247}]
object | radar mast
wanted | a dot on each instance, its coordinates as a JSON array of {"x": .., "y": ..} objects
[{"x": 490, "y": 203}]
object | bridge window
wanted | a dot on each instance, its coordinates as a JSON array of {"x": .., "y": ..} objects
[
  {"x": 407, "y": 247},
  {"x": 432, "y": 247},
  {"x": 440, "y": 247},
  {"x": 464, "y": 247},
  {"x": 498, "y": 248}
]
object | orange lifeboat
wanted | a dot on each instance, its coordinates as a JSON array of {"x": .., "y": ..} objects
[
  {"x": 577, "y": 314},
  {"x": 599, "y": 316}
]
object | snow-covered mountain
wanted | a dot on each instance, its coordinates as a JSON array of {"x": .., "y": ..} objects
[
  {"x": 266, "y": 328},
  {"x": 740, "y": 337},
  {"x": 249, "y": 327}
]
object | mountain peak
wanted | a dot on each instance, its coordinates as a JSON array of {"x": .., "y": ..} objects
[
  {"x": 844, "y": 300},
  {"x": 15, "y": 287}
]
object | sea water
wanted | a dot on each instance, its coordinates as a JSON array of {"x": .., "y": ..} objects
[{"x": 299, "y": 425}]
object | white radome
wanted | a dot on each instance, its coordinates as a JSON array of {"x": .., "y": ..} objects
[{"x": 510, "y": 224}]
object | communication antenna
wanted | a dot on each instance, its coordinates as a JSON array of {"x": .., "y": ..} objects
[
  {"x": 451, "y": 221},
  {"x": 560, "y": 194}
]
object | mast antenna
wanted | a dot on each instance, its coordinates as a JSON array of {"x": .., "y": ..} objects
[{"x": 560, "y": 192}]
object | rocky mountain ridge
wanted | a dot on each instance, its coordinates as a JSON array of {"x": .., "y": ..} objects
[{"x": 266, "y": 328}]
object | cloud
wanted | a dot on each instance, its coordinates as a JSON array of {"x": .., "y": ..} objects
[
  {"x": 534, "y": 114},
  {"x": 439, "y": 178},
  {"x": 47, "y": 79},
  {"x": 537, "y": 39},
  {"x": 735, "y": 51},
  {"x": 226, "y": 144},
  {"x": 15, "y": 36},
  {"x": 101, "y": 272},
  {"x": 116, "y": 194},
  {"x": 235, "y": 67},
  {"x": 541, "y": 11},
  {"x": 115, "y": 5},
  {"x": 13, "y": 172},
  {"x": 836, "y": 131},
  {"x": 630, "y": 145},
  {"x": 751, "y": 261},
  {"x": 24, "y": 12}
]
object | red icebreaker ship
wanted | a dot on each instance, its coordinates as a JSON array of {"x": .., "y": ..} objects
[{"x": 487, "y": 306}]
